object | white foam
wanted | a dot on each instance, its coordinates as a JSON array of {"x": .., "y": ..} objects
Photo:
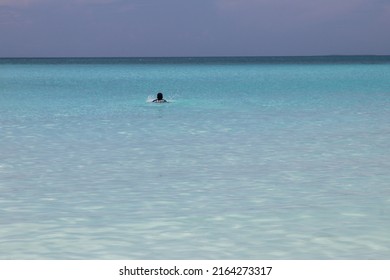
[{"x": 150, "y": 98}]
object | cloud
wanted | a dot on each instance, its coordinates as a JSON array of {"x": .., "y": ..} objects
[
  {"x": 307, "y": 26},
  {"x": 300, "y": 15},
  {"x": 26, "y": 3},
  {"x": 35, "y": 10},
  {"x": 19, "y": 3},
  {"x": 180, "y": 27},
  {"x": 95, "y": 1},
  {"x": 315, "y": 10}
]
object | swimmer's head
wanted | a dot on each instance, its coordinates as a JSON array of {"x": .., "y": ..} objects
[{"x": 159, "y": 96}]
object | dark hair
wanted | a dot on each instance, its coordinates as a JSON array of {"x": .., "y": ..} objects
[{"x": 159, "y": 96}]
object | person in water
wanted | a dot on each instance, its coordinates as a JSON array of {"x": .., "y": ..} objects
[{"x": 160, "y": 98}]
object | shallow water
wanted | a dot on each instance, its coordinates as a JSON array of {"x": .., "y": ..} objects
[{"x": 253, "y": 158}]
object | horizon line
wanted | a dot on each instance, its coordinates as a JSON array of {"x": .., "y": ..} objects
[{"x": 196, "y": 56}]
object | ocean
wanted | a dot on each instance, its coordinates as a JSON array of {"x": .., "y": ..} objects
[{"x": 251, "y": 158}]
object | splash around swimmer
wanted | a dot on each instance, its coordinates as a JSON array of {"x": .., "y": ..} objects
[{"x": 160, "y": 98}]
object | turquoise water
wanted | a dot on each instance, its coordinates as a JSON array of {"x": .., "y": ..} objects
[{"x": 253, "y": 158}]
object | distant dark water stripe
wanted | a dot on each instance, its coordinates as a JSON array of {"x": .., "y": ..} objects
[{"x": 336, "y": 59}]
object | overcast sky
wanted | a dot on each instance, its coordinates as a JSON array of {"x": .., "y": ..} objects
[{"x": 47, "y": 28}]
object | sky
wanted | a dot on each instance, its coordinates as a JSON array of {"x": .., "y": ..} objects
[{"x": 142, "y": 28}]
